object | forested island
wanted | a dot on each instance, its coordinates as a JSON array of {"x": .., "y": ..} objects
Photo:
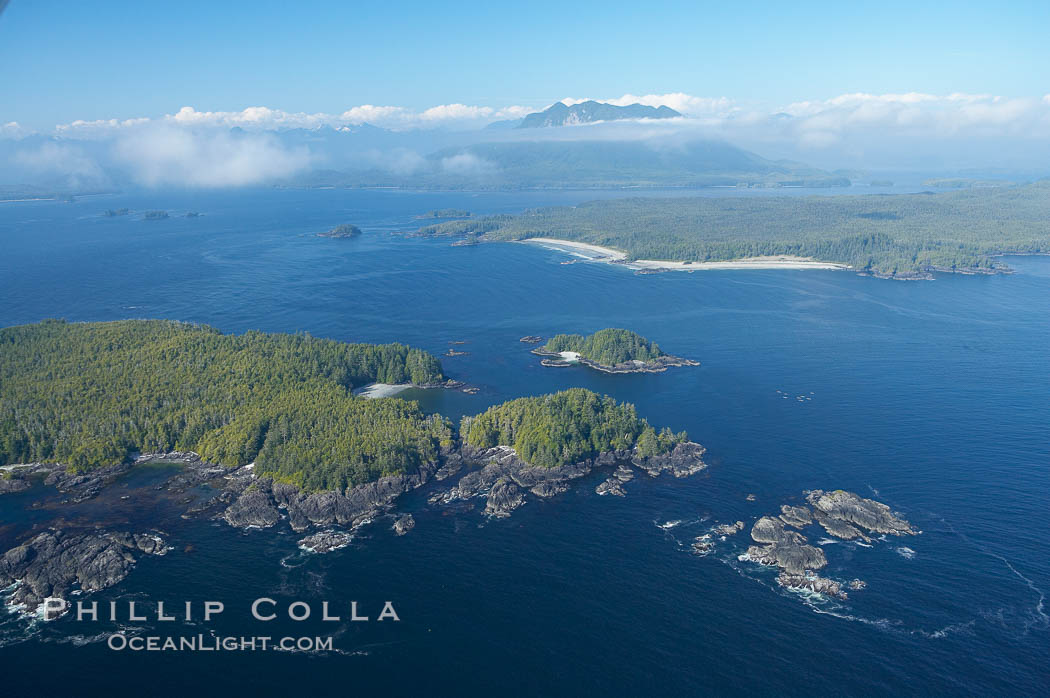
[
  {"x": 565, "y": 428},
  {"x": 895, "y": 236},
  {"x": 266, "y": 427},
  {"x": 345, "y": 230},
  {"x": 87, "y": 395},
  {"x": 92, "y": 394},
  {"x": 611, "y": 350}
]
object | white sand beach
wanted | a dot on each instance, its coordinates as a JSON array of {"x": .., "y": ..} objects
[
  {"x": 375, "y": 390},
  {"x": 596, "y": 253}
]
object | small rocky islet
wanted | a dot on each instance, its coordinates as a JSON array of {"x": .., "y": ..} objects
[
  {"x": 781, "y": 544},
  {"x": 342, "y": 231}
]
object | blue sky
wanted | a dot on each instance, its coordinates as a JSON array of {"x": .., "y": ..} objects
[{"x": 73, "y": 60}]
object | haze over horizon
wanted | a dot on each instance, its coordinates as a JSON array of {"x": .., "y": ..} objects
[{"x": 941, "y": 91}]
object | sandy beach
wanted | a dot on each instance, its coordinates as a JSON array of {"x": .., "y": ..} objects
[
  {"x": 376, "y": 390},
  {"x": 596, "y": 253}
]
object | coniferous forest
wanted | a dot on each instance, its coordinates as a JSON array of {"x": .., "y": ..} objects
[
  {"x": 607, "y": 347},
  {"x": 887, "y": 234},
  {"x": 565, "y": 427},
  {"x": 92, "y": 394}
]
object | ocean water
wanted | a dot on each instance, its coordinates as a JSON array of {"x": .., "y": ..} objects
[{"x": 933, "y": 397}]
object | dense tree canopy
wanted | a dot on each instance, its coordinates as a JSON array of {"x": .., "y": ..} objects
[
  {"x": 91, "y": 394},
  {"x": 901, "y": 233},
  {"x": 88, "y": 394},
  {"x": 607, "y": 347},
  {"x": 564, "y": 428}
]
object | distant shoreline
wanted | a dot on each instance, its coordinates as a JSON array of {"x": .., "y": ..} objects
[{"x": 609, "y": 255}]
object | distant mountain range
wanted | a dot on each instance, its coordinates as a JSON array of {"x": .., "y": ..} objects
[
  {"x": 368, "y": 156},
  {"x": 561, "y": 114}
]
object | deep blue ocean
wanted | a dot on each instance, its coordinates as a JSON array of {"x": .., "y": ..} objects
[{"x": 933, "y": 397}]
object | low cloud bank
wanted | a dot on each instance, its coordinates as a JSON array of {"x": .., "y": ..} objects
[
  {"x": 259, "y": 144},
  {"x": 165, "y": 156}
]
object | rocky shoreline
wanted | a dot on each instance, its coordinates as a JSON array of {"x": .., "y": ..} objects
[
  {"x": 55, "y": 563},
  {"x": 928, "y": 274},
  {"x": 58, "y": 562},
  {"x": 657, "y": 365}
]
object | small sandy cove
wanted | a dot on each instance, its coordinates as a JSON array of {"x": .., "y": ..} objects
[{"x": 595, "y": 253}]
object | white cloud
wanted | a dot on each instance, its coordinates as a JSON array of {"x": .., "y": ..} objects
[
  {"x": 467, "y": 165},
  {"x": 267, "y": 119},
  {"x": 12, "y": 129},
  {"x": 368, "y": 113},
  {"x": 163, "y": 155},
  {"x": 856, "y": 129},
  {"x": 61, "y": 163},
  {"x": 917, "y": 114}
]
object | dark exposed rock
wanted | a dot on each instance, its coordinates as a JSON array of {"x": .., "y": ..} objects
[
  {"x": 838, "y": 528},
  {"x": 614, "y": 485},
  {"x": 787, "y": 550},
  {"x": 452, "y": 465},
  {"x": 254, "y": 508},
  {"x": 52, "y": 563},
  {"x": 842, "y": 514},
  {"x": 503, "y": 498},
  {"x": 683, "y": 460},
  {"x": 259, "y": 504},
  {"x": 13, "y": 483},
  {"x": 501, "y": 462},
  {"x": 840, "y": 505},
  {"x": 821, "y": 585},
  {"x": 326, "y": 541},
  {"x": 796, "y": 516},
  {"x": 729, "y": 529},
  {"x": 81, "y": 486},
  {"x": 404, "y": 524},
  {"x": 548, "y": 488},
  {"x": 702, "y": 545}
]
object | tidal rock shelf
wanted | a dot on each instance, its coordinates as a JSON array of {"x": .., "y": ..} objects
[
  {"x": 503, "y": 478},
  {"x": 57, "y": 562},
  {"x": 704, "y": 544},
  {"x": 54, "y": 563},
  {"x": 325, "y": 541}
]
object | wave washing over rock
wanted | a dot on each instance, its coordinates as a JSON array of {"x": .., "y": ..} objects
[
  {"x": 55, "y": 563},
  {"x": 781, "y": 544}
]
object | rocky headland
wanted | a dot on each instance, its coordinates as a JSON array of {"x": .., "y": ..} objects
[{"x": 55, "y": 563}]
